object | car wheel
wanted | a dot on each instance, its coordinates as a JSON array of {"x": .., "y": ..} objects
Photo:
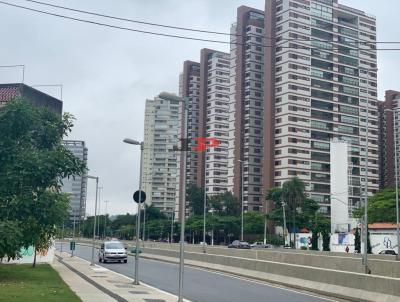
[
  {"x": 125, "y": 261},
  {"x": 100, "y": 259},
  {"x": 104, "y": 261}
]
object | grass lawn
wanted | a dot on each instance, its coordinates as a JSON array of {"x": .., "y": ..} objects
[{"x": 22, "y": 283}]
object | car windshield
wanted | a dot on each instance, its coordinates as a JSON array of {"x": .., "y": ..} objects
[{"x": 114, "y": 246}]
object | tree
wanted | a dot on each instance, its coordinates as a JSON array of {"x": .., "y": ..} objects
[
  {"x": 381, "y": 207},
  {"x": 152, "y": 213},
  {"x": 253, "y": 223},
  {"x": 33, "y": 162},
  {"x": 195, "y": 199},
  {"x": 293, "y": 195},
  {"x": 11, "y": 236},
  {"x": 225, "y": 204}
]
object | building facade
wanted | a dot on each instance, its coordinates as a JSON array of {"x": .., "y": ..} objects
[
  {"x": 389, "y": 113},
  {"x": 246, "y": 109},
  {"x": 213, "y": 121},
  {"x": 321, "y": 84},
  {"x": 159, "y": 177},
  {"x": 76, "y": 186}
]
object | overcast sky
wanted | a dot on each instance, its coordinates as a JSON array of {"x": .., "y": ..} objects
[{"x": 107, "y": 74}]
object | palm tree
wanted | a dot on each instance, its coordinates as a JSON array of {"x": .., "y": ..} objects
[{"x": 293, "y": 195}]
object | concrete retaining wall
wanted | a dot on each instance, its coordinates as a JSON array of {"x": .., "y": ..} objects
[
  {"x": 372, "y": 283},
  {"x": 379, "y": 265}
]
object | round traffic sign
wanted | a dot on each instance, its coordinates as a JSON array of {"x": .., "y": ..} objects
[{"x": 142, "y": 196}]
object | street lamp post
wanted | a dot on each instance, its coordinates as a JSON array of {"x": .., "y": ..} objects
[
  {"x": 284, "y": 222},
  {"x": 204, "y": 202},
  {"x": 144, "y": 223},
  {"x": 365, "y": 237},
  {"x": 242, "y": 215},
  {"x": 141, "y": 144},
  {"x": 172, "y": 227},
  {"x": 98, "y": 222},
  {"x": 183, "y": 208},
  {"x": 394, "y": 114},
  {"x": 95, "y": 217},
  {"x": 105, "y": 219}
]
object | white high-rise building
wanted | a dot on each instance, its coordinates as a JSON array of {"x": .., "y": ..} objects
[{"x": 159, "y": 179}]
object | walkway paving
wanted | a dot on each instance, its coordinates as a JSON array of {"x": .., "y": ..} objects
[{"x": 98, "y": 284}]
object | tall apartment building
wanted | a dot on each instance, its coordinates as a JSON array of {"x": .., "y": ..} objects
[
  {"x": 318, "y": 78},
  {"x": 36, "y": 97},
  {"x": 389, "y": 112},
  {"x": 189, "y": 89},
  {"x": 76, "y": 186},
  {"x": 246, "y": 108},
  {"x": 213, "y": 120},
  {"x": 159, "y": 178}
]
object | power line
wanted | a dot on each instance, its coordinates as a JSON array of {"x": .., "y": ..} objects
[
  {"x": 168, "y": 35},
  {"x": 178, "y": 27},
  {"x": 131, "y": 20},
  {"x": 110, "y": 25}
]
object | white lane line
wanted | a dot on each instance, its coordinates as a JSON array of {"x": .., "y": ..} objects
[
  {"x": 244, "y": 279},
  {"x": 265, "y": 283},
  {"x": 141, "y": 282}
]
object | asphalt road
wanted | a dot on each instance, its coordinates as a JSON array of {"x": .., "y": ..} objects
[{"x": 201, "y": 285}]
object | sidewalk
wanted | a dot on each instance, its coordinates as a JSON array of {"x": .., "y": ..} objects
[{"x": 98, "y": 284}]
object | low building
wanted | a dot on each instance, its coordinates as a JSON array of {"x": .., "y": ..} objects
[{"x": 36, "y": 97}]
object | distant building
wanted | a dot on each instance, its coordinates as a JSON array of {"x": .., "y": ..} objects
[
  {"x": 36, "y": 97},
  {"x": 159, "y": 178},
  {"x": 389, "y": 133},
  {"x": 76, "y": 186}
]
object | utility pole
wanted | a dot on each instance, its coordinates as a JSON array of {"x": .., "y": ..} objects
[
  {"x": 95, "y": 217},
  {"x": 172, "y": 227},
  {"x": 98, "y": 223},
  {"x": 204, "y": 202},
  {"x": 365, "y": 256},
  {"x": 284, "y": 222},
  {"x": 242, "y": 214},
  {"x": 105, "y": 219}
]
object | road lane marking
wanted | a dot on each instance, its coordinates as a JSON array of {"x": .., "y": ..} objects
[
  {"x": 264, "y": 283},
  {"x": 141, "y": 282}
]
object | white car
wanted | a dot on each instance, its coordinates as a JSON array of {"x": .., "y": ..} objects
[
  {"x": 261, "y": 245},
  {"x": 113, "y": 251}
]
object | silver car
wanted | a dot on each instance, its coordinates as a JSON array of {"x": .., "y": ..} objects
[{"x": 112, "y": 251}]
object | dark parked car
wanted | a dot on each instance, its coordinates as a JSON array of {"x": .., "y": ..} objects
[
  {"x": 237, "y": 244},
  {"x": 388, "y": 252}
]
